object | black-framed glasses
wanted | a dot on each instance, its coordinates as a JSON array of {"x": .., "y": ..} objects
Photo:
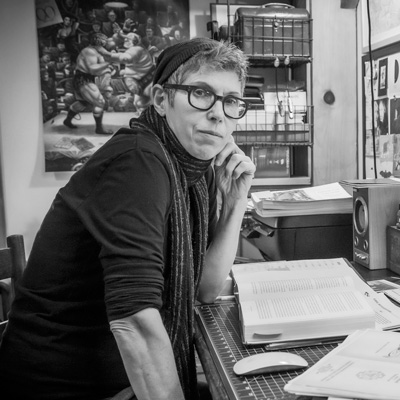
[{"x": 203, "y": 99}]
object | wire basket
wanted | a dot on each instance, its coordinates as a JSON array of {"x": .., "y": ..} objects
[
  {"x": 276, "y": 35},
  {"x": 267, "y": 125}
]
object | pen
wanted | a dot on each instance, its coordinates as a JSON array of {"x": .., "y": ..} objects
[{"x": 303, "y": 343}]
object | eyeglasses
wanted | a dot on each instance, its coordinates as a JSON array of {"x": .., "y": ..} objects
[{"x": 203, "y": 99}]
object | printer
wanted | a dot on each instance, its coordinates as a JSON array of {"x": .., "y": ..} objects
[{"x": 301, "y": 236}]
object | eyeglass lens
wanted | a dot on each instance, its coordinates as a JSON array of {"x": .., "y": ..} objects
[{"x": 204, "y": 99}]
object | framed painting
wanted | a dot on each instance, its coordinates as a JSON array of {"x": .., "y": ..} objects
[
  {"x": 97, "y": 61},
  {"x": 385, "y": 29}
]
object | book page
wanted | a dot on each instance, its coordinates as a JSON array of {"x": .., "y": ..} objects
[
  {"x": 276, "y": 309},
  {"x": 299, "y": 269},
  {"x": 278, "y": 285},
  {"x": 299, "y": 266},
  {"x": 366, "y": 365}
]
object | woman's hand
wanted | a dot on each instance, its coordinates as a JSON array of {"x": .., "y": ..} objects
[{"x": 234, "y": 173}]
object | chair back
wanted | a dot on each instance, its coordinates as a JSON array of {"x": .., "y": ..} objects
[{"x": 12, "y": 265}]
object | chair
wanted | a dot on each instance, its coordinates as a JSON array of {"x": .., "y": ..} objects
[{"x": 12, "y": 265}]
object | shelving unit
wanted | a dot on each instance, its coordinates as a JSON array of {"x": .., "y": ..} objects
[{"x": 277, "y": 132}]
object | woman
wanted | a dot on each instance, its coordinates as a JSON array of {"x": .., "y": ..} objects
[{"x": 106, "y": 301}]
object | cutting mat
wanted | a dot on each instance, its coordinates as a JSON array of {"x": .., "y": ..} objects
[{"x": 220, "y": 328}]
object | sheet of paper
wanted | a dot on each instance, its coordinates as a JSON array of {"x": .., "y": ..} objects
[
  {"x": 393, "y": 294},
  {"x": 305, "y": 307},
  {"x": 380, "y": 285},
  {"x": 366, "y": 366},
  {"x": 387, "y": 314},
  {"x": 279, "y": 284}
]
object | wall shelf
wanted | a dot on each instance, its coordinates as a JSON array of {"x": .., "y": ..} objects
[{"x": 277, "y": 131}]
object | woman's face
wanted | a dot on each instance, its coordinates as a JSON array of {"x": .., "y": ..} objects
[{"x": 203, "y": 133}]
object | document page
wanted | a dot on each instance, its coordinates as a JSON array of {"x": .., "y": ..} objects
[
  {"x": 298, "y": 297},
  {"x": 365, "y": 366},
  {"x": 304, "y": 307},
  {"x": 387, "y": 314},
  {"x": 279, "y": 284}
]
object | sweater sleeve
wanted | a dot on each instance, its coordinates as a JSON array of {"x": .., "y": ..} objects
[{"x": 126, "y": 211}]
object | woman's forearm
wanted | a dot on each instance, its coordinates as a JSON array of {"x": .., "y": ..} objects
[
  {"x": 221, "y": 254},
  {"x": 233, "y": 176},
  {"x": 147, "y": 355}
]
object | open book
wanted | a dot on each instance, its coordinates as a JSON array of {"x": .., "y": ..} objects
[
  {"x": 283, "y": 301},
  {"x": 331, "y": 198},
  {"x": 365, "y": 366}
]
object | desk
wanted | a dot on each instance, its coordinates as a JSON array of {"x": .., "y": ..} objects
[{"x": 219, "y": 346}]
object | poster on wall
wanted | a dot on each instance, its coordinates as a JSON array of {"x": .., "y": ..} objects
[
  {"x": 97, "y": 61},
  {"x": 384, "y": 24},
  {"x": 382, "y": 113}
]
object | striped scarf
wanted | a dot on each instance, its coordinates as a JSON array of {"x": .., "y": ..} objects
[{"x": 188, "y": 220}]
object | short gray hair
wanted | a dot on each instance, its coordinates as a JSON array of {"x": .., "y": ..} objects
[{"x": 224, "y": 57}]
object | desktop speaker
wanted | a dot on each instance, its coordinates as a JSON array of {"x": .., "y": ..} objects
[{"x": 374, "y": 208}]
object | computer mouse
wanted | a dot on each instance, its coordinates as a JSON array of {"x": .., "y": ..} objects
[{"x": 274, "y": 361}]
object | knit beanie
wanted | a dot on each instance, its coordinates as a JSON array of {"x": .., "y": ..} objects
[{"x": 174, "y": 56}]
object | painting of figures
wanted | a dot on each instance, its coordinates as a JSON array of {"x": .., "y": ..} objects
[{"x": 97, "y": 61}]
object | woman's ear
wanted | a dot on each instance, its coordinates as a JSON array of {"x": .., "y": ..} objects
[{"x": 159, "y": 99}]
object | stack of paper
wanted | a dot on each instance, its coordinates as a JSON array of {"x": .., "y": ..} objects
[
  {"x": 365, "y": 366},
  {"x": 331, "y": 198}
]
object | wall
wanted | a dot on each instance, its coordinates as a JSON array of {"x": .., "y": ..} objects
[
  {"x": 334, "y": 68},
  {"x": 28, "y": 191}
]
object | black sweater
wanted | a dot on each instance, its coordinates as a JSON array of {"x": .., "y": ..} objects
[{"x": 98, "y": 256}]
